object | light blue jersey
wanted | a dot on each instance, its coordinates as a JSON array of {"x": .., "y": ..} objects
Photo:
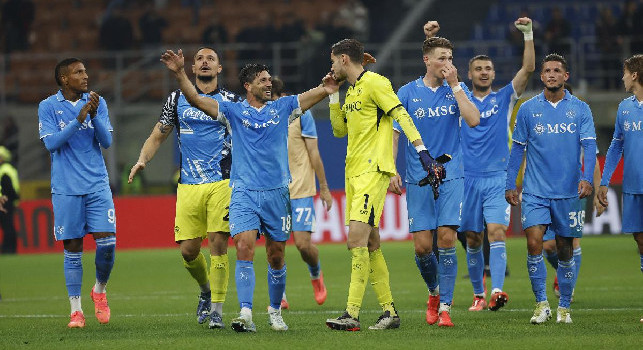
[
  {"x": 485, "y": 149},
  {"x": 628, "y": 139},
  {"x": 260, "y": 142},
  {"x": 77, "y": 166},
  {"x": 205, "y": 144},
  {"x": 553, "y": 135},
  {"x": 436, "y": 115}
]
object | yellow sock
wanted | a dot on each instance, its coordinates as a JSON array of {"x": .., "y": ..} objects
[
  {"x": 219, "y": 275},
  {"x": 380, "y": 281},
  {"x": 198, "y": 268},
  {"x": 359, "y": 277}
]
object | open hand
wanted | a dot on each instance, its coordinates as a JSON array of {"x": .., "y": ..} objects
[{"x": 173, "y": 61}]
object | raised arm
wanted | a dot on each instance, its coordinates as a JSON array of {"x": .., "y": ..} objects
[
  {"x": 528, "y": 56},
  {"x": 431, "y": 28},
  {"x": 175, "y": 62},
  {"x": 313, "y": 96}
]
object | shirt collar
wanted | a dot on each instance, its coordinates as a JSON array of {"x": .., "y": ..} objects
[
  {"x": 216, "y": 91},
  {"x": 60, "y": 97},
  {"x": 360, "y": 76},
  {"x": 541, "y": 96}
]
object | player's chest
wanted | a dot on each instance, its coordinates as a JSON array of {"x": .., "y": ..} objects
[
  {"x": 554, "y": 123},
  {"x": 425, "y": 105},
  {"x": 631, "y": 120},
  {"x": 265, "y": 121}
]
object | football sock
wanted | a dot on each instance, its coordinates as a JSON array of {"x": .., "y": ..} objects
[
  {"x": 537, "y": 276},
  {"x": 428, "y": 266},
  {"x": 244, "y": 276},
  {"x": 74, "y": 302},
  {"x": 218, "y": 307},
  {"x": 359, "y": 276},
  {"x": 578, "y": 258},
  {"x": 219, "y": 275},
  {"x": 379, "y": 277},
  {"x": 498, "y": 264},
  {"x": 198, "y": 268},
  {"x": 475, "y": 265},
  {"x": 105, "y": 248},
  {"x": 552, "y": 258},
  {"x": 448, "y": 268},
  {"x": 276, "y": 286},
  {"x": 314, "y": 270},
  {"x": 73, "y": 267},
  {"x": 566, "y": 273}
]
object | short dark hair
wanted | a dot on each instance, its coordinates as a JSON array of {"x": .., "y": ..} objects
[
  {"x": 480, "y": 58},
  {"x": 349, "y": 47},
  {"x": 433, "y": 43},
  {"x": 568, "y": 87},
  {"x": 277, "y": 87},
  {"x": 555, "y": 58},
  {"x": 61, "y": 68},
  {"x": 634, "y": 64},
  {"x": 205, "y": 47},
  {"x": 250, "y": 72}
]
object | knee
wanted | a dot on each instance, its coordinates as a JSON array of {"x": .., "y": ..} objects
[
  {"x": 189, "y": 253},
  {"x": 276, "y": 261},
  {"x": 423, "y": 249},
  {"x": 498, "y": 235},
  {"x": 474, "y": 239}
]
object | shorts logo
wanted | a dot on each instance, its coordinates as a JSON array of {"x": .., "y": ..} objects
[
  {"x": 363, "y": 212},
  {"x": 523, "y": 219},
  {"x": 410, "y": 221},
  {"x": 176, "y": 229},
  {"x": 59, "y": 230}
]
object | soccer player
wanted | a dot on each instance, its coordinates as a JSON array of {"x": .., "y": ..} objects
[
  {"x": 260, "y": 201},
  {"x": 436, "y": 102},
  {"x": 628, "y": 141},
  {"x": 74, "y": 125},
  {"x": 485, "y": 151},
  {"x": 304, "y": 163},
  {"x": 553, "y": 126},
  {"x": 366, "y": 117},
  {"x": 203, "y": 192}
]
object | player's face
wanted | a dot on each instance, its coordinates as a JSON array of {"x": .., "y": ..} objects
[
  {"x": 206, "y": 64},
  {"x": 553, "y": 75},
  {"x": 261, "y": 87},
  {"x": 482, "y": 74},
  {"x": 628, "y": 80},
  {"x": 76, "y": 77},
  {"x": 336, "y": 68},
  {"x": 436, "y": 60}
]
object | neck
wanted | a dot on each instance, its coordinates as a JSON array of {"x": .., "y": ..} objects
[
  {"x": 71, "y": 95},
  {"x": 353, "y": 72},
  {"x": 481, "y": 91},
  {"x": 207, "y": 86},
  {"x": 431, "y": 81},
  {"x": 638, "y": 92},
  {"x": 253, "y": 101},
  {"x": 554, "y": 96}
]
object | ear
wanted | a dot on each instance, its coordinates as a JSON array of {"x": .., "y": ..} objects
[
  {"x": 194, "y": 69},
  {"x": 566, "y": 76},
  {"x": 220, "y": 69},
  {"x": 469, "y": 74},
  {"x": 246, "y": 86},
  {"x": 425, "y": 58}
]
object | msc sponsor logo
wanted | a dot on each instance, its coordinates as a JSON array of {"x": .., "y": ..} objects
[
  {"x": 489, "y": 113},
  {"x": 438, "y": 111},
  {"x": 632, "y": 126},
  {"x": 353, "y": 106},
  {"x": 558, "y": 128}
]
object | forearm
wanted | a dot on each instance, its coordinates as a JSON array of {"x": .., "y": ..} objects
[
  {"x": 406, "y": 123},
  {"x": 208, "y": 105},
  {"x": 528, "y": 67},
  {"x": 396, "y": 141},
  {"x": 103, "y": 135},
  {"x": 337, "y": 117},
  {"x": 515, "y": 159},
  {"x": 468, "y": 110},
  {"x": 597, "y": 176},
  {"x": 152, "y": 145},
  {"x": 312, "y": 97},
  {"x": 589, "y": 159},
  {"x": 54, "y": 141},
  {"x": 611, "y": 160}
]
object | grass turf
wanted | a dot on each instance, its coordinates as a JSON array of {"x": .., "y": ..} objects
[{"x": 153, "y": 303}]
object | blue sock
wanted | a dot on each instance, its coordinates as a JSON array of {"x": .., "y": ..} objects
[
  {"x": 641, "y": 262},
  {"x": 537, "y": 276},
  {"x": 244, "y": 276},
  {"x": 552, "y": 258},
  {"x": 497, "y": 264},
  {"x": 276, "y": 286},
  {"x": 314, "y": 270},
  {"x": 428, "y": 266},
  {"x": 105, "y": 248},
  {"x": 566, "y": 273},
  {"x": 578, "y": 257},
  {"x": 73, "y": 266},
  {"x": 448, "y": 268},
  {"x": 475, "y": 264}
]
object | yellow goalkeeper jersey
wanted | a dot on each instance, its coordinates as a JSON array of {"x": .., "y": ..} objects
[{"x": 367, "y": 120}]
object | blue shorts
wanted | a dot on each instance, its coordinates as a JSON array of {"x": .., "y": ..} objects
[
  {"x": 266, "y": 211},
  {"x": 580, "y": 213},
  {"x": 425, "y": 213},
  {"x": 632, "y": 213},
  {"x": 303, "y": 214},
  {"x": 76, "y": 216},
  {"x": 484, "y": 202},
  {"x": 561, "y": 215}
]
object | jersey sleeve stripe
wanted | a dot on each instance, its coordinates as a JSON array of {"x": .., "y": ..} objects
[{"x": 389, "y": 112}]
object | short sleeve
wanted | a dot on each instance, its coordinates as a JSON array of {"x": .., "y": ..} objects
[
  {"x": 46, "y": 119},
  {"x": 521, "y": 130},
  {"x": 168, "y": 114},
  {"x": 383, "y": 95},
  {"x": 587, "y": 130},
  {"x": 308, "y": 128}
]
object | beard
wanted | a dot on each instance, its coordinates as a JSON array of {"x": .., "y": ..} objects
[
  {"x": 205, "y": 78},
  {"x": 482, "y": 89},
  {"x": 554, "y": 88}
]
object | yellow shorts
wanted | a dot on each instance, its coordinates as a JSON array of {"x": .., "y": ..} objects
[
  {"x": 201, "y": 209},
  {"x": 365, "y": 195}
]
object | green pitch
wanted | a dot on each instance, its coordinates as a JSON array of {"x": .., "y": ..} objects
[{"x": 153, "y": 302}]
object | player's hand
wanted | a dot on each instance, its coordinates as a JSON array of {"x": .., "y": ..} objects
[
  {"x": 329, "y": 84},
  {"x": 3, "y": 200},
  {"x": 600, "y": 208},
  {"x": 512, "y": 197},
  {"x": 368, "y": 59},
  {"x": 82, "y": 115},
  {"x": 602, "y": 196},
  {"x": 524, "y": 24},
  {"x": 395, "y": 184},
  {"x": 450, "y": 73},
  {"x": 173, "y": 61},
  {"x": 139, "y": 166},
  {"x": 431, "y": 28},
  {"x": 584, "y": 189},
  {"x": 326, "y": 198},
  {"x": 94, "y": 100}
]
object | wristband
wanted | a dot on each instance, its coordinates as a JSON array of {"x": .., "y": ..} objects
[
  {"x": 528, "y": 35},
  {"x": 456, "y": 88},
  {"x": 420, "y": 148},
  {"x": 334, "y": 98}
]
